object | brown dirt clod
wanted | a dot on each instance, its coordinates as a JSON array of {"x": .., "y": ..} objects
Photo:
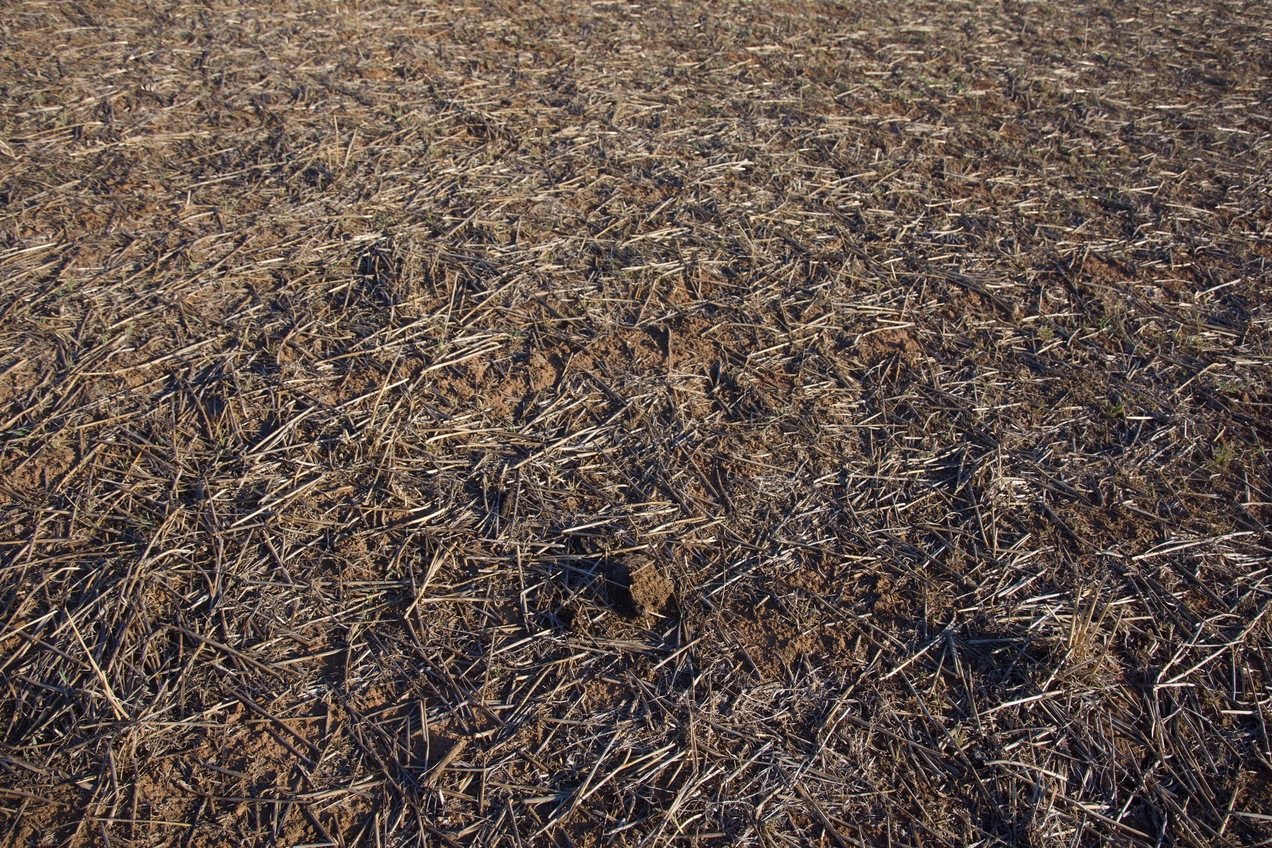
[{"x": 637, "y": 587}]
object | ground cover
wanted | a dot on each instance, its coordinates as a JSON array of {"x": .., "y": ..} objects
[{"x": 563, "y": 423}]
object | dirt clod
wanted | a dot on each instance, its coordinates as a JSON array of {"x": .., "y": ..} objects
[{"x": 637, "y": 586}]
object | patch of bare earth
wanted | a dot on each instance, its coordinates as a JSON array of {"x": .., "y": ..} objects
[{"x": 635, "y": 424}]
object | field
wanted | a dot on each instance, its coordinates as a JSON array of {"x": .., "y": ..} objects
[{"x": 635, "y": 424}]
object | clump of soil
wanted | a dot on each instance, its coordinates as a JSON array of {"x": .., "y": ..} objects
[{"x": 636, "y": 586}]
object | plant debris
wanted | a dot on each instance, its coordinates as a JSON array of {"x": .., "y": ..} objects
[{"x": 350, "y": 354}]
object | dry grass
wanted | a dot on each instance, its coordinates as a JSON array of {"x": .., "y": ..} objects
[{"x": 371, "y": 373}]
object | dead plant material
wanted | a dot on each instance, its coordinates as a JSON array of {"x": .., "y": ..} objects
[{"x": 926, "y": 344}]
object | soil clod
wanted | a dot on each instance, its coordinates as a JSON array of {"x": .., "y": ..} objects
[{"x": 637, "y": 587}]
